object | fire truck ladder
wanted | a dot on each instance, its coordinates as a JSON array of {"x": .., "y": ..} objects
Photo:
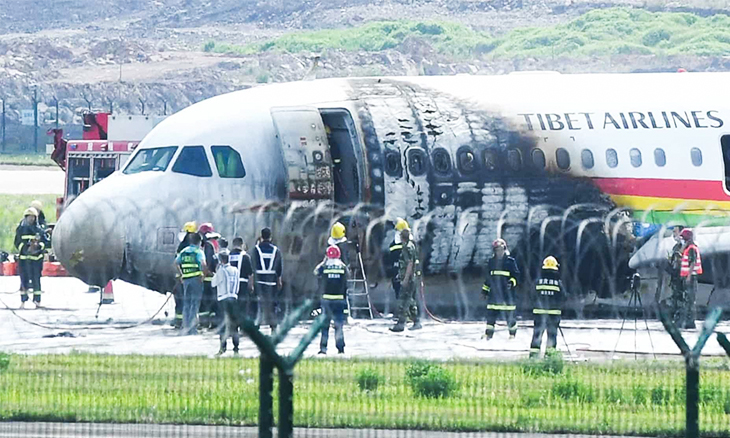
[{"x": 358, "y": 291}]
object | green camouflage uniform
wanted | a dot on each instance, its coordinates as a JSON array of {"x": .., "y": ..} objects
[
  {"x": 676, "y": 284},
  {"x": 407, "y": 304}
]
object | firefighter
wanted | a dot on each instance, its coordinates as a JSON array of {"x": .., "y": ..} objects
[
  {"x": 334, "y": 297},
  {"x": 267, "y": 261},
  {"x": 499, "y": 289},
  {"x": 226, "y": 283},
  {"x": 548, "y": 304},
  {"x": 191, "y": 267},
  {"x": 690, "y": 268},
  {"x": 30, "y": 241},
  {"x": 247, "y": 305},
  {"x": 392, "y": 257},
  {"x": 408, "y": 278},
  {"x": 675, "y": 280},
  {"x": 38, "y": 205},
  {"x": 188, "y": 229},
  {"x": 339, "y": 239},
  {"x": 208, "y": 304}
]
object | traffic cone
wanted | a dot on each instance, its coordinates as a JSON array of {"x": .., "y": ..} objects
[{"x": 107, "y": 295}]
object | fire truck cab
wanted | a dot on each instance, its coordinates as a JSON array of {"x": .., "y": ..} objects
[{"x": 107, "y": 142}]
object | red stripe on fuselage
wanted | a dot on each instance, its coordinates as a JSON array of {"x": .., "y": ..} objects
[{"x": 663, "y": 188}]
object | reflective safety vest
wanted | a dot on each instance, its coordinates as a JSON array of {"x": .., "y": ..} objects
[
  {"x": 189, "y": 264},
  {"x": 335, "y": 281},
  {"x": 266, "y": 265},
  {"x": 684, "y": 270}
]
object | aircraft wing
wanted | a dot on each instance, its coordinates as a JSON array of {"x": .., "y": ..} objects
[{"x": 710, "y": 240}]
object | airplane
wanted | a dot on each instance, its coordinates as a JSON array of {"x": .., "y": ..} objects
[{"x": 530, "y": 157}]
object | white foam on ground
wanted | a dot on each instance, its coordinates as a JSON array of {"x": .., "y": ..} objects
[{"x": 69, "y": 307}]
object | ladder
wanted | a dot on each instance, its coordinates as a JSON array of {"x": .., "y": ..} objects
[{"x": 357, "y": 288}]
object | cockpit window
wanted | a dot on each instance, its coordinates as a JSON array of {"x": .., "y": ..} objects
[
  {"x": 154, "y": 159},
  {"x": 228, "y": 162},
  {"x": 192, "y": 161}
]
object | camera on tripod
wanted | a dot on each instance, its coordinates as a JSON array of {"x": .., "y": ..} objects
[{"x": 635, "y": 282}]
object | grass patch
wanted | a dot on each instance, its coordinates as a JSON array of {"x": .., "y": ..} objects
[
  {"x": 27, "y": 160},
  {"x": 368, "y": 379},
  {"x": 600, "y": 32},
  {"x": 586, "y": 398},
  {"x": 12, "y": 213}
]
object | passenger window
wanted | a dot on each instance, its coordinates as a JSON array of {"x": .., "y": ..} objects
[
  {"x": 660, "y": 158},
  {"x": 586, "y": 158},
  {"x": 192, "y": 161},
  {"x": 490, "y": 160},
  {"x": 393, "y": 164},
  {"x": 441, "y": 161},
  {"x": 538, "y": 158},
  {"x": 514, "y": 159},
  {"x": 228, "y": 161},
  {"x": 696, "y": 157},
  {"x": 635, "y": 156},
  {"x": 563, "y": 158},
  {"x": 611, "y": 158},
  {"x": 467, "y": 160},
  {"x": 417, "y": 162}
]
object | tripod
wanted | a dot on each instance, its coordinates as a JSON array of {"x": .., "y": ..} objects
[{"x": 637, "y": 304}]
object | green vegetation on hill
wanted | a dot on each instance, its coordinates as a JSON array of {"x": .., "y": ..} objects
[
  {"x": 601, "y": 32},
  {"x": 644, "y": 398}
]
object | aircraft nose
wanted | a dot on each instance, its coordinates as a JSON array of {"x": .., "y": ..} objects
[{"x": 88, "y": 239}]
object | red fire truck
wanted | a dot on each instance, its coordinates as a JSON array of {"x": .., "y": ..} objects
[{"x": 107, "y": 142}]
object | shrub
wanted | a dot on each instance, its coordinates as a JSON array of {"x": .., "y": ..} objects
[
  {"x": 660, "y": 396},
  {"x": 368, "y": 379},
  {"x": 552, "y": 364},
  {"x": 639, "y": 394},
  {"x": 429, "y": 380},
  {"x": 262, "y": 78},
  {"x": 4, "y": 361},
  {"x": 654, "y": 37},
  {"x": 209, "y": 46},
  {"x": 614, "y": 395}
]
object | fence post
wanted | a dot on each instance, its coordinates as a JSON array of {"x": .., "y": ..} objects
[
  {"x": 270, "y": 359},
  {"x": 692, "y": 364}
]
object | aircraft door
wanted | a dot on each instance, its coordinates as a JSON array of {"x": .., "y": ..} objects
[{"x": 303, "y": 141}]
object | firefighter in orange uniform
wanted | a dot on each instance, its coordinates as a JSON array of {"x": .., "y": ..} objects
[{"x": 690, "y": 269}]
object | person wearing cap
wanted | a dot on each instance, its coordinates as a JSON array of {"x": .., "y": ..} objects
[
  {"x": 499, "y": 289},
  {"x": 247, "y": 304},
  {"x": 188, "y": 230},
  {"x": 268, "y": 267},
  {"x": 191, "y": 266},
  {"x": 334, "y": 297},
  {"x": 690, "y": 269},
  {"x": 226, "y": 283},
  {"x": 30, "y": 240},
  {"x": 408, "y": 278},
  {"x": 392, "y": 257},
  {"x": 208, "y": 304},
  {"x": 547, "y": 310}
]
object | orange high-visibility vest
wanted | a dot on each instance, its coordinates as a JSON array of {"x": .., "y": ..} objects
[{"x": 684, "y": 271}]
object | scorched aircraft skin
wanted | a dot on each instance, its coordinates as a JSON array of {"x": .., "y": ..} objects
[{"x": 465, "y": 159}]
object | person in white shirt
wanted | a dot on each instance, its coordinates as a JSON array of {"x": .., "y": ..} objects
[{"x": 225, "y": 281}]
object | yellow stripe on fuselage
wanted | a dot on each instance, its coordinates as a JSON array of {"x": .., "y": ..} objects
[{"x": 685, "y": 206}]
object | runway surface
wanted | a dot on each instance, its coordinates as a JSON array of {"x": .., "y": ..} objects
[
  {"x": 68, "y": 322},
  {"x": 29, "y": 180},
  {"x": 96, "y": 430}
]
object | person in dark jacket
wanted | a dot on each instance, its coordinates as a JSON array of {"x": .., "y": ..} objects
[
  {"x": 268, "y": 267},
  {"x": 499, "y": 289},
  {"x": 30, "y": 240},
  {"x": 247, "y": 303},
  {"x": 392, "y": 257},
  {"x": 334, "y": 297},
  {"x": 547, "y": 310},
  {"x": 209, "y": 304},
  {"x": 188, "y": 230}
]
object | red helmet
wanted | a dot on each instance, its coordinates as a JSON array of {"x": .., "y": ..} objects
[
  {"x": 686, "y": 234},
  {"x": 206, "y": 228},
  {"x": 499, "y": 242},
  {"x": 333, "y": 252}
]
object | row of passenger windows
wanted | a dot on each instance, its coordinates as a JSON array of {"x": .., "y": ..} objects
[
  {"x": 192, "y": 161},
  {"x": 468, "y": 162}
]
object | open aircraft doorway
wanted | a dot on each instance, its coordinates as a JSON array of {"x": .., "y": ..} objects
[{"x": 343, "y": 140}]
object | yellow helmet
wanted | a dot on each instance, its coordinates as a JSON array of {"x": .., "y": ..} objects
[
  {"x": 401, "y": 224},
  {"x": 190, "y": 227},
  {"x": 338, "y": 231},
  {"x": 550, "y": 262},
  {"x": 30, "y": 211},
  {"x": 37, "y": 205}
]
